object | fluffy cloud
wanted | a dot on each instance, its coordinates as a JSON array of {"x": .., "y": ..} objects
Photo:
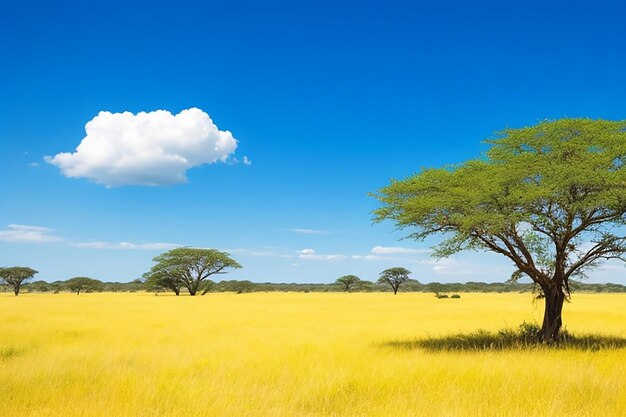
[
  {"x": 27, "y": 234},
  {"x": 154, "y": 148},
  {"x": 310, "y": 254}
]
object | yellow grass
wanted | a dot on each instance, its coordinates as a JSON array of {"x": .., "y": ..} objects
[{"x": 295, "y": 354}]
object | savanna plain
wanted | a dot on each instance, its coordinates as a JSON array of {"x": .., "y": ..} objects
[{"x": 298, "y": 354}]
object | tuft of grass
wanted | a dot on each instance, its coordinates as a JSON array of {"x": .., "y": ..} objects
[
  {"x": 525, "y": 336},
  {"x": 9, "y": 352}
]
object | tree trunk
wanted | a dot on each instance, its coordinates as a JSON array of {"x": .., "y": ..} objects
[
  {"x": 177, "y": 291},
  {"x": 395, "y": 290},
  {"x": 16, "y": 289},
  {"x": 552, "y": 320},
  {"x": 78, "y": 291}
]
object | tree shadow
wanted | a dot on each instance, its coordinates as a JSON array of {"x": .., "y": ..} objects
[{"x": 507, "y": 339}]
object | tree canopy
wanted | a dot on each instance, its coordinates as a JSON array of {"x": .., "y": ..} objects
[
  {"x": 551, "y": 198},
  {"x": 188, "y": 267},
  {"x": 16, "y": 275},
  {"x": 79, "y": 284},
  {"x": 394, "y": 277},
  {"x": 348, "y": 281}
]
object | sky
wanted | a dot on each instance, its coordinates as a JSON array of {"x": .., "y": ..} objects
[{"x": 260, "y": 128}]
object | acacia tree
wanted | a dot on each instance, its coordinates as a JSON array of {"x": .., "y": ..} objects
[
  {"x": 348, "y": 281},
  {"x": 79, "y": 284},
  {"x": 394, "y": 277},
  {"x": 551, "y": 198},
  {"x": 188, "y": 267},
  {"x": 16, "y": 276}
]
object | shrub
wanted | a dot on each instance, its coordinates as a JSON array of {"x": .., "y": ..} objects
[{"x": 455, "y": 296}]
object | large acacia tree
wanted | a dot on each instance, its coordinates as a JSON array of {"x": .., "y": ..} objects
[
  {"x": 551, "y": 198},
  {"x": 189, "y": 268}
]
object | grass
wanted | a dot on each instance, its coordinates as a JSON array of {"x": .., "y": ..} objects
[{"x": 295, "y": 354}]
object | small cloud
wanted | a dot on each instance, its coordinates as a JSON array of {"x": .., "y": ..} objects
[
  {"x": 28, "y": 234},
  {"x": 125, "y": 245},
  {"x": 393, "y": 250},
  {"x": 147, "y": 148},
  {"x": 370, "y": 257},
  {"x": 310, "y": 254},
  {"x": 309, "y": 231},
  {"x": 33, "y": 164},
  {"x": 246, "y": 160}
]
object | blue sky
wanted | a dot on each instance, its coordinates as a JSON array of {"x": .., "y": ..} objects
[{"x": 327, "y": 102}]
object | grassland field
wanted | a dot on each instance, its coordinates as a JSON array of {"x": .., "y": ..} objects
[{"x": 297, "y": 354}]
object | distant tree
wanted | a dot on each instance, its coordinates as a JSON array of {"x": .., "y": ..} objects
[
  {"x": 436, "y": 287},
  {"x": 188, "y": 267},
  {"x": 394, "y": 277},
  {"x": 551, "y": 198},
  {"x": 15, "y": 276},
  {"x": 79, "y": 284},
  {"x": 348, "y": 282}
]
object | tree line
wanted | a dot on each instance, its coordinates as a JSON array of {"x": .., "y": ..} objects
[{"x": 245, "y": 286}]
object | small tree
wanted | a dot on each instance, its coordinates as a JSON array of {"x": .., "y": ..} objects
[
  {"x": 16, "y": 276},
  {"x": 437, "y": 288},
  {"x": 394, "y": 277},
  {"x": 348, "y": 281},
  {"x": 79, "y": 284},
  {"x": 189, "y": 268}
]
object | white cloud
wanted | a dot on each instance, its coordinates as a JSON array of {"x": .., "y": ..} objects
[
  {"x": 393, "y": 250},
  {"x": 27, "y": 234},
  {"x": 308, "y": 231},
  {"x": 125, "y": 245},
  {"x": 310, "y": 254},
  {"x": 370, "y": 257},
  {"x": 246, "y": 160},
  {"x": 154, "y": 148}
]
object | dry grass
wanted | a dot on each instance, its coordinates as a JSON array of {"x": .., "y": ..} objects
[{"x": 290, "y": 354}]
